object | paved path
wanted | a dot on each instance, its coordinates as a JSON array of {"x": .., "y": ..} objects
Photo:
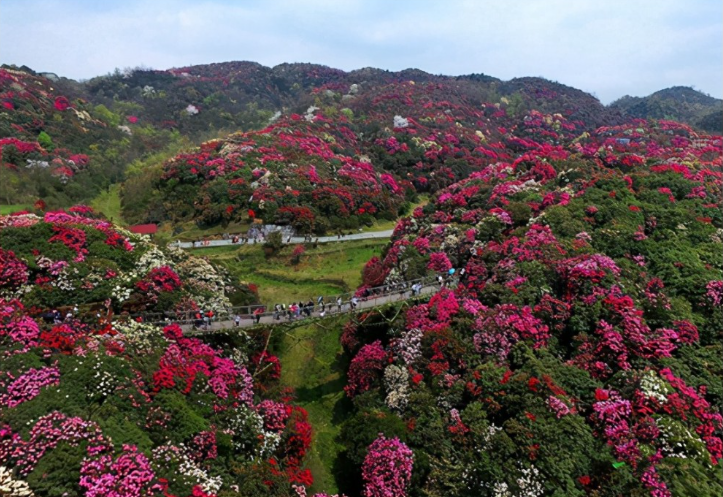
[
  {"x": 267, "y": 318},
  {"x": 294, "y": 239},
  {"x": 332, "y": 310}
]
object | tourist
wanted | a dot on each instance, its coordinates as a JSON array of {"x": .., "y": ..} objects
[
  {"x": 257, "y": 314},
  {"x": 354, "y": 303},
  {"x": 237, "y": 320},
  {"x": 277, "y": 310},
  {"x": 339, "y": 303}
]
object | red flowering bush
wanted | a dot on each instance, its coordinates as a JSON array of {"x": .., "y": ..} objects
[
  {"x": 365, "y": 369},
  {"x": 159, "y": 280},
  {"x": 13, "y": 272},
  {"x": 439, "y": 262}
]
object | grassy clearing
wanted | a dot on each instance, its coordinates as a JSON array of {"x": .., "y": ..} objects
[
  {"x": 313, "y": 364},
  {"x": 9, "y": 209},
  {"x": 108, "y": 203},
  {"x": 329, "y": 269}
]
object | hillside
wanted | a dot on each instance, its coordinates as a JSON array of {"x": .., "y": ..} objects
[
  {"x": 89, "y": 133},
  {"x": 93, "y": 402},
  {"x": 576, "y": 350},
  {"x": 60, "y": 148},
  {"x": 357, "y": 153},
  {"x": 679, "y": 103}
]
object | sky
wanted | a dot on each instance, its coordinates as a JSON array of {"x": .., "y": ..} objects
[{"x": 608, "y": 48}]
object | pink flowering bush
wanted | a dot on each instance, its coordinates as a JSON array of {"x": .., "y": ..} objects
[
  {"x": 387, "y": 468},
  {"x": 13, "y": 272},
  {"x": 27, "y": 386},
  {"x": 128, "y": 475}
]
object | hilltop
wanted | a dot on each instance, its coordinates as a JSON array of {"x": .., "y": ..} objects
[{"x": 679, "y": 103}]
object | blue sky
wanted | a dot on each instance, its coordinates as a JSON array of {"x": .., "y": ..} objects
[{"x": 606, "y": 47}]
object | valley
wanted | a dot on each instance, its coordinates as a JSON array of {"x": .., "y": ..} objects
[{"x": 570, "y": 344}]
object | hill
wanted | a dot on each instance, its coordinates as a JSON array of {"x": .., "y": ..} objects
[
  {"x": 58, "y": 147},
  {"x": 576, "y": 347},
  {"x": 93, "y": 402},
  {"x": 679, "y": 103},
  {"x": 89, "y": 133}
]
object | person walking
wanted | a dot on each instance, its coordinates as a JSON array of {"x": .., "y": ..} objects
[
  {"x": 257, "y": 314},
  {"x": 237, "y": 320},
  {"x": 354, "y": 303},
  {"x": 339, "y": 303}
]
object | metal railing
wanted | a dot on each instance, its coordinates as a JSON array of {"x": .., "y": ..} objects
[{"x": 331, "y": 306}]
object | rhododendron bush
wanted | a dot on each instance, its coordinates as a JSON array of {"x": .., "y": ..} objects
[
  {"x": 577, "y": 349},
  {"x": 95, "y": 403},
  {"x": 73, "y": 258}
]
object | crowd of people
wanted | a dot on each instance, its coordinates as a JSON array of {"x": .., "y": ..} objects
[{"x": 204, "y": 319}]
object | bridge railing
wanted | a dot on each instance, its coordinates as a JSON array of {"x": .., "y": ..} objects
[{"x": 260, "y": 311}]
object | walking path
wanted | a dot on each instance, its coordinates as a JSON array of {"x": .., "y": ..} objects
[
  {"x": 260, "y": 315},
  {"x": 292, "y": 240},
  {"x": 267, "y": 318}
]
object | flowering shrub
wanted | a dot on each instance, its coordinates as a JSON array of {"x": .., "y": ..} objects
[
  {"x": 128, "y": 475},
  {"x": 13, "y": 272},
  {"x": 387, "y": 468},
  {"x": 365, "y": 368},
  {"x": 439, "y": 262}
]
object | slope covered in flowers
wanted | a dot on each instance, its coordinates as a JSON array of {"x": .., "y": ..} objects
[
  {"x": 97, "y": 404},
  {"x": 304, "y": 171},
  {"x": 577, "y": 351},
  {"x": 59, "y": 148},
  {"x": 359, "y": 154}
]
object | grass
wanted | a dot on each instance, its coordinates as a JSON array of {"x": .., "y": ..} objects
[
  {"x": 109, "y": 204},
  {"x": 9, "y": 209},
  {"x": 329, "y": 269},
  {"x": 313, "y": 364}
]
